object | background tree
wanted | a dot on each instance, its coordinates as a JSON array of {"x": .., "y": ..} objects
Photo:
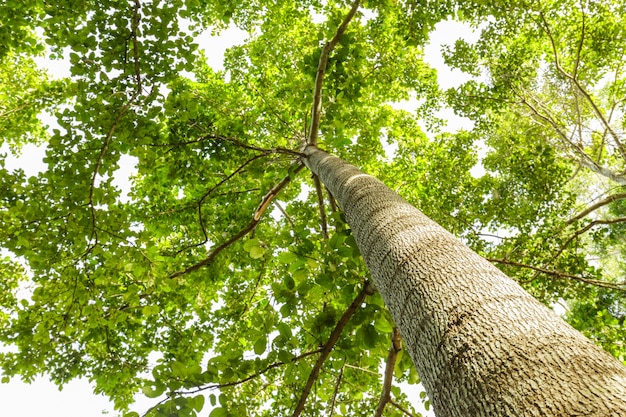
[
  {"x": 550, "y": 84},
  {"x": 188, "y": 283}
]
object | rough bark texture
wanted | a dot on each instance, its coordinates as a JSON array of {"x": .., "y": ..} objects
[{"x": 481, "y": 344}]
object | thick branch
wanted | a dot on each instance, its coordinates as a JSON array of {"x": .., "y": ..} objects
[
  {"x": 558, "y": 274},
  {"x": 316, "y": 109},
  {"x": 368, "y": 289},
  {"x": 392, "y": 356},
  {"x": 256, "y": 217},
  {"x": 593, "y": 207}
]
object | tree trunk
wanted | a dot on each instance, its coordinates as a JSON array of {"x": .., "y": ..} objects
[{"x": 481, "y": 344}]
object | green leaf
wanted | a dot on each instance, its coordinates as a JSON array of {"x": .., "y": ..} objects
[
  {"x": 197, "y": 402},
  {"x": 257, "y": 252},
  {"x": 260, "y": 345},
  {"x": 179, "y": 369},
  {"x": 153, "y": 390},
  {"x": 219, "y": 412}
]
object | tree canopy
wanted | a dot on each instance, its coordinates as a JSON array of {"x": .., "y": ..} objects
[{"x": 224, "y": 268}]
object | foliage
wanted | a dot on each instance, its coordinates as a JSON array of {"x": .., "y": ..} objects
[
  {"x": 178, "y": 286},
  {"x": 547, "y": 100}
]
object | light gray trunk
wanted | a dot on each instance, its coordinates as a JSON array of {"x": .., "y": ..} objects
[{"x": 481, "y": 344}]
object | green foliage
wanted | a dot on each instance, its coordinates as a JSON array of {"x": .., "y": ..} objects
[
  {"x": 165, "y": 285},
  {"x": 547, "y": 103}
]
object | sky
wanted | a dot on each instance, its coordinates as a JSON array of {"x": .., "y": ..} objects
[{"x": 42, "y": 398}]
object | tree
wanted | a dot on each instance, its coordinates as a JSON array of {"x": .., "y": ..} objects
[{"x": 186, "y": 284}]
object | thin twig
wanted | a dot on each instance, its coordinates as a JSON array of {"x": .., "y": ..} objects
[
  {"x": 558, "y": 274},
  {"x": 284, "y": 212},
  {"x": 231, "y": 384},
  {"x": 368, "y": 289},
  {"x": 583, "y": 230},
  {"x": 399, "y": 407},
  {"x": 206, "y": 194},
  {"x": 316, "y": 108},
  {"x": 109, "y": 136}
]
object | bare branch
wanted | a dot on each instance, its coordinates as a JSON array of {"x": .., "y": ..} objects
[
  {"x": 267, "y": 199},
  {"x": 284, "y": 212},
  {"x": 316, "y": 109},
  {"x": 320, "y": 203},
  {"x": 392, "y": 356},
  {"x": 399, "y": 407},
  {"x": 558, "y": 274},
  {"x": 368, "y": 289},
  {"x": 250, "y": 377},
  {"x": 335, "y": 392},
  {"x": 593, "y": 207}
]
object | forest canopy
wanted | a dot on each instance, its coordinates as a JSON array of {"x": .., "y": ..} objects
[{"x": 226, "y": 270}]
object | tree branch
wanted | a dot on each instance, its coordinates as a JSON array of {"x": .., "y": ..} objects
[
  {"x": 399, "y": 407},
  {"x": 601, "y": 203},
  {"x": 320, "y": 203},
  {"x": 206, "y": 194},
  {"x": 250, "y": 377},
  {"x": 316, "y": 108},
  {"x": 335, "y": 392},
  {"x": 396, "y": 347},
  {"x": 256, "y": 217},
  {"x": 368, "y": 289},
  {"x": 558, "y": 274}
]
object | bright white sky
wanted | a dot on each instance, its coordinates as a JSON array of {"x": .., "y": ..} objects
[{"x": 42, "y": 398}]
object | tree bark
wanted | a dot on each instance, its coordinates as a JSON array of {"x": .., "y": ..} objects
[{"x": 481, "y": 344}]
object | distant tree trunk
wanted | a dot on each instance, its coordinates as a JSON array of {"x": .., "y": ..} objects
[{"x": 481, "y": 344}]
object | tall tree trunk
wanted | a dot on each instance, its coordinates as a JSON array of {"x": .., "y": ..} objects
[{"x": 481, "y": 344}]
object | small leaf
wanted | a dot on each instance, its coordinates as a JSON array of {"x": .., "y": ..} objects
[
  {"x": 219, "y": 412},
  {"x": 179, "y": 369},
  {"x": 249, "y": 244},
  {"x": 153, "y": 390},
  {"x": 260, "y": 345},
  {"x": 289, "y": 282},
  {"x": 197, "y": 402},
  {"x": 257, "y": 252}
]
